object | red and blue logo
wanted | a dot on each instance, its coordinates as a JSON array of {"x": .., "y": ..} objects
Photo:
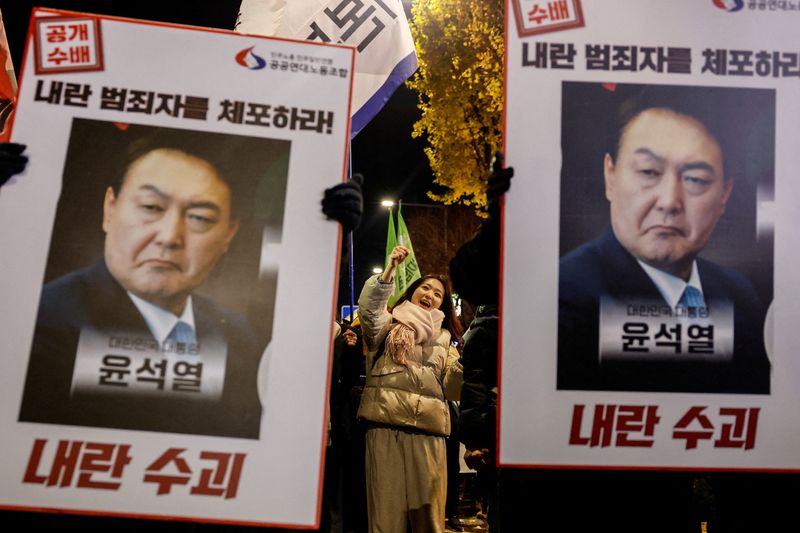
[
  {"x": 729, "y": 5},
  {"x": 248, "y": 59}
]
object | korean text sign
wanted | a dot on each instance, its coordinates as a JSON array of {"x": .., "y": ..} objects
[
  {"x": 647, "y": 316},
  {"x": 167, "y": 236}
]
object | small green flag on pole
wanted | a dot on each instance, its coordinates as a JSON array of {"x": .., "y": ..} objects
[
  {"x": 391, "y": 242},
  {"x": 408, "y": 271}
]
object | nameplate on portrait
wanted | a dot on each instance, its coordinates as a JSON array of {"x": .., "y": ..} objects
[
  {"x": 646, "y": 330},
  {"x": 134, "y": 364}
]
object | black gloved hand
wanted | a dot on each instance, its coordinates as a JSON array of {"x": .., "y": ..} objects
[
  {"x": 497, "y": 184},
  {"x": 11, "y": 160},
  {"x": 345, "y": 203},
  {"x": 499, "y": 180}
]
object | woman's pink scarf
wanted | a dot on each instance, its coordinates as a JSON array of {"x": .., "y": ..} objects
[{"x": 415, "y": 325}]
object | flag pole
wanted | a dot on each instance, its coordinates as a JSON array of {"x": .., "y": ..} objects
[
  {"x": 391, "y": 242},
  {"x": 352, "y": 282},
  {"x": 351, "y": 276}
]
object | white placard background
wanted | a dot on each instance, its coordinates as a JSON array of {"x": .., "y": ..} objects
[{"x": 534, "y": 416}]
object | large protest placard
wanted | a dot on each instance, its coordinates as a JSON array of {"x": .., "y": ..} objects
[
  {"x": 168, "y": 277},
  {"x": 648, "y": 242}
]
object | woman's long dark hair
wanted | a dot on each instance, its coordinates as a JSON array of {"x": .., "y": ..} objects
[{"x": 451, "y": 321}]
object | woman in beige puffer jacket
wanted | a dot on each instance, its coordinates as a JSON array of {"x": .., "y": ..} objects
[{"x": 413, "y": 370}]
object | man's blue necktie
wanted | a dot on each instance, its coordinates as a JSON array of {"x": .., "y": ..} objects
[
  {"x": 183, "y": 333},
  {"x": 692, "y": 297}
]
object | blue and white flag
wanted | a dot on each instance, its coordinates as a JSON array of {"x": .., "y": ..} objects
[{"x": 377, "y": 28}]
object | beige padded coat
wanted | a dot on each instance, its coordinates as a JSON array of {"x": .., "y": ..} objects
[{"x": 406, "y": 396}]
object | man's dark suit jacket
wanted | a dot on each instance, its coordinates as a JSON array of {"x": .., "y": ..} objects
[
  {"x": 604, "y": 268},
  {"x": 91, "y": 296}
]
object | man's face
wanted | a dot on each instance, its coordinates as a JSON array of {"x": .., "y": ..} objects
[
  {"x": 168, "y": 227},
  {"x": 666, "y": 189}
]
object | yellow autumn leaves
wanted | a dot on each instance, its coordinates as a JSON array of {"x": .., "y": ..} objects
[{"x": 460, "y": 86}]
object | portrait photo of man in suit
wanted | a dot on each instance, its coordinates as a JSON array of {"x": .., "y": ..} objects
[
  {"x": 129, "y": 341},
  {"x": 640, "y": 308}
]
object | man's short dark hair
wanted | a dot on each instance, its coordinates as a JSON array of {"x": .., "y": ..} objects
[
  {"x": 227, "y": 154},
  {"x": 721, "y": 110}
]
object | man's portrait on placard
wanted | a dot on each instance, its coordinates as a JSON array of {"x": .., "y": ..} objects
[
  {"x": 159, "y": 289},
  {"x": 666, "y": 243}
]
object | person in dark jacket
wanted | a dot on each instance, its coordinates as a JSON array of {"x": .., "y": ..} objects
[{"x": 476, "y": 277}]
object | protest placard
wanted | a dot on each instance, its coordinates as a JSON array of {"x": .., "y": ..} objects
[
  {"x": 169, "y": 281},
  {"x": 648, "y": 245}
]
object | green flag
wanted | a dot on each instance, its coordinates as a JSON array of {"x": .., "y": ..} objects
[
  {"x": 408, "y": 271},
  {"x": 391, "y": 242}
]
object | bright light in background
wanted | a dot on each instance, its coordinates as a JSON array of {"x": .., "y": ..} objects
[
  {"x": 387, "y": 203},
  {"x": 457, "y": 303},
  {"x": 377, "y": 270}
]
